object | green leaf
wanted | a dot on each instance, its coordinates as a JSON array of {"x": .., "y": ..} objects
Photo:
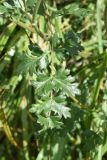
[
  {"x": 35, "y": 49},
  {"x": 7, "y": 5},
  {"x": 50, "y": 105},
  {"x": 65, "y": 82},
  {"x": 3, "y": 9},
  {"x": 49, "y": 122},
  {"x": 41, "y": 106},
  {"x": 60, "y": 109},
  {"x": 27, "y": 63},
  {"x": 41, "y": 10},
  {"x": 89, "y": 136},
  {"x": 42, "y": 62},
  {"x": 75, "y": 10},
  {"x": 42, "y": 83},
  {"x": 72, "y": 9},
  {"x": 71, "y": 45},
  {"x": 30, "y": 3},
  {"x": 61, "y": 81},
  {"x": 43, "y": 122}
]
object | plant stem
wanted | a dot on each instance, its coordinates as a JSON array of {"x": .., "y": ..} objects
[
  {"x": 99, "y": 152},
  {"x": 23, "y": 25},
  {"x": 99, "y": 81},
  {"x": 25, "y": 128},
  {"x": 31, "y": 29},
  {"x": 99, "y": 26},
  {"x": 78, "y": 102},
  {"x": 36, "y": 8},
  {"x": 6, "y": 128},
  {"x": 105, "y": 17}
]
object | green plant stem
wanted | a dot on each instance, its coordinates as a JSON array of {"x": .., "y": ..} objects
[
  {"x": 6, "y": 128},
  {"x": 99, "y": 81},
  {"x": 99, "y": 26},
  {"x": 99, "y": 152},
  {"x": 105, "y": 17},
  {"x": 25, "y": 26},
  {"x": 24, "y": 2},
  {"x": 51, "y": 8},
  {"x": 25, "y": 127},
  {"x": 5, "y": 36},
  {"x": 24, "y": 119},
  {"x": 57, "y": 26},
  {"x": 36, "y": 8},
  {"x": 31, "y": 29},
  {"x": 78, "y": 102},
  {"x": 5, "y": 124}
]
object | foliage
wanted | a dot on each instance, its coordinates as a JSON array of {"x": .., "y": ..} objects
[{"x": 53, "y": 87}]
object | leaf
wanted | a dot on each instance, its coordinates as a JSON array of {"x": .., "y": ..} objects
[
  {"x": 50, "y": 105},
  {"x": 55, "y": 120},
  {"x": 61, "y": 81},
  {"x": 60, "y": 109},
  {"x": 43, "y": 122},
  {"x": 72, "y": 9},
  {"x": 41, "y": 10},
  {"x": 7, "y": 5},
  {"x": 89, "y": 136},
  {"x": 19, "y": 4},
  {"x": 49, "y": 122},
  {"x": 30, "y": 3},
  {"x": 55, "y": 40},
  {"x": 40, "y": 155},
  {"x": 65, "y": 82},
  {"x": 60, "y": 99},
  {"x": 59, "y": 148},
  {"x": 71, "y": 45},
  {"x": 27, "y": 63},
  {"x": 41, "y": 106},
  {"x": 42, "y": 63},
  {"x": 3, "y": 9},
  {"x": 35, "y": 49},
  {"x": 104, "y": 107},
  {"x": 42, "y": 83}
]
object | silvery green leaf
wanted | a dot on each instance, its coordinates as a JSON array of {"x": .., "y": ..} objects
[
  {"x": 17, "y": 4},
  {"x": 74, "y": 89},
  {"x": 42, "y": 63},
  {"x": 27, "y": 63},
  {"x": 43, "y": 85},
  {"x": 49, "y": 122},
  {"x": 7, "y": 5},
  {"x": 61, "y": 110}
]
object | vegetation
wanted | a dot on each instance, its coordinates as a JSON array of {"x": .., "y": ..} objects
[{"x": 53, "y": 80}]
